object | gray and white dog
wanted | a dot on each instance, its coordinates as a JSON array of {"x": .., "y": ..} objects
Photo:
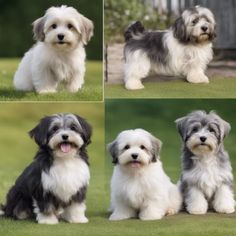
[
  {"x": 207, "y": 179},
  {"x": 184, "y": 49}
]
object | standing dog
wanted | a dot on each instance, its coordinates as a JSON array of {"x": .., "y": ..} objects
[
  {"x": 59, "y": 54},
  {"x": 183, "y": 50},
  {"x": 207, "y": 179},
  {"x": 54, "y": 185},
  {"x": 139, "y": 185}
]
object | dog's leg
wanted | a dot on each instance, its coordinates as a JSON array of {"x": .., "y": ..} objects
[
  {"x": 136, "y": 68},
  {"x": 175, "y": 200},
  {"x": 76, "y": 83},
  {"x": 224, "y": 200},
  {"x": 122, "y": 211},
  {"x": 75, "y": 213},
  {"x": 197, "y": 76},
  {"x": 153, "y": 210},
  {"x": 195, "y": 202}
]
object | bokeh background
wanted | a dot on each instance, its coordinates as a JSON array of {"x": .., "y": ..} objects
[{"x": 17, "y": 16}]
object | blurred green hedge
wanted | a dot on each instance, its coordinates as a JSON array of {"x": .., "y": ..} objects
[{"x": 16, "y": 29}]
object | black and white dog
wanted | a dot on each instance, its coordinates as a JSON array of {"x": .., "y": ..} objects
[
  {"x": 54, "y": 185},
  {"x": 183, "y": 50},
  {"x": 207, "y": 179}
]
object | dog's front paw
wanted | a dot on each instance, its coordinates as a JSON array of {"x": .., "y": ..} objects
[
  {"x": 171, "y": 211},
  {"x": 197, "y": 210},
  {"x": 44, "y": 91},
  {"x": 224, "y": 208},
  {"x": 114, "y": 217},
  {"x": 151, "y": 214},
  {"x": 198, "y": 78},
  {"x": 81, "y": 220},
  {"x": 47, "y": 219},
  {"x": 134, "y": 84}
]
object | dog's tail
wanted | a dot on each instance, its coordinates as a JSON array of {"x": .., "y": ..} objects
[
  {"x": 2, "y": 212},
  {"x": 134, "y": 30}
]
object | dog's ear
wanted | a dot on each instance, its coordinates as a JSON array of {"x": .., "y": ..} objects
[
  {"x": 224, "y": 125},
  {"x": 38, "y": 29},
  {"x": 180, "y": 125},
  {"x": 40, "y": 132},
  {"x": 113, "y": 149},
  {"x": 156, "y": 148},
  {"x": 86, "y": 130},
  {"x": 86, "y": 29},
  {"x": 179, "y": 30}
]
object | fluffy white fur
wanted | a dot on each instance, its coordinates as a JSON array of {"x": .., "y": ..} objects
[
  {"x": 141, "y": 186},
  {"x": 59, "y": 55}
]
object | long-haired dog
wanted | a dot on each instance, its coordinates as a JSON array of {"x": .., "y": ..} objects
[
  {"x": 207, "y": 179},
  {"x": 59, "y": 54},
  {"x": 139, "y": 185},
  {"x": 183, "y": 50},
  {"x": 54, "y": 185}
]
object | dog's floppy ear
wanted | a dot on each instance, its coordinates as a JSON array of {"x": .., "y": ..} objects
[
  {"x": 40, "y": 132},
  {"x": 180, "y": 125},
  {"x": 224, "y": 125},
  {"x": 86, "y": 130},
  {"x": 156, "y": 148},
  {"x": 113, "y": 149},
  {"x": 179, "y": 30},
  {"x": 86, "y": 29},
  {"x": 38, "y": 29}
]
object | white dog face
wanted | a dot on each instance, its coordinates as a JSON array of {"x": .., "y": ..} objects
[
  {"x": 202, "y": 133},
  {"x": 63, "y": 28},
  {"x": 134, "y": 148},
  {"x": 196, "y": 25}
]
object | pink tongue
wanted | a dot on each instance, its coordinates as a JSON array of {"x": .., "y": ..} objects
[
  {"x": 65, "y": 147},
  {"x": 135, "y": 164}
]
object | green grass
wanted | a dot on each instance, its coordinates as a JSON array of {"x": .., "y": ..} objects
[
  {"x": 217, "y": 88},
  {"x": 157, "y": 116},
  {"x": 91, "y": 91}
]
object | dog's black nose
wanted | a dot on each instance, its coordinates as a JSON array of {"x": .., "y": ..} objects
[
  {"x": 203, "y": 138},
  {"x": 60, "y": 36},
  {"x": 65, "y": 136},
  {"x": 204, "y": 28},
  {"x": 134, "y": 156}
]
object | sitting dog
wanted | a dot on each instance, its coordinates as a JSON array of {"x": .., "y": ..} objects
[
  {"x": 207, "y": 179},
  {"x": 54, "y": 185},
  {"x": 139, "y": 185},
  {"x": 183, "y": 50},
  {"x": 59, "y": 54}
]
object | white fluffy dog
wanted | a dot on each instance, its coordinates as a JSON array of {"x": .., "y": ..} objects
[
  {"x": 183, "y": 50},
  {"x": 59, "y": 54},
  {"x": 139, "y": 185}
]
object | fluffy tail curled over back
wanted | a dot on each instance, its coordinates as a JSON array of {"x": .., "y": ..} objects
[{"x": 134, "y": 30}]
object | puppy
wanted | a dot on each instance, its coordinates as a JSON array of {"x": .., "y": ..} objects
[
  {"x": 59, "y": 54},
  {"x": 54, "y": 185},
  {"x": 183, "y": 50},
  {"x": 207, "y": 179},
  {"x": 139, "y": 185}
]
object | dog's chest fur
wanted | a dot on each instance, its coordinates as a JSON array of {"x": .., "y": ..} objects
[
  {"x": 207, "y": 175},
  {"x": 65, "y": 178}
]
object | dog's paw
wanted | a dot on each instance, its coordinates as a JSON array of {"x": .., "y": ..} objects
[
  {"x": 80, "y": 220},
  {"x": 114, "y": 217},
  {"x": 47, "y": 219},
  {"x": 44, "y": 91},
  {"x": 197, "y": 210},
  {"x": 198, "y": 78},
  {"x": 134, "y": 85},
  {"x": 171, "y": 211},
  {"x": 225, "y": 209}
]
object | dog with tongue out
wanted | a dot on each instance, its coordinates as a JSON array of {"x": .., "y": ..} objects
[
  {"x": 139, "y": 186},
  {"x": 54, "y": 185}
]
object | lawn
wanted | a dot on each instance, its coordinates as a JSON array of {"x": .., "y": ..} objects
[
  {"x": 91, "y": 91},
  {"x": 157, "y": 116},
  {"x": 217, "y": 88}
]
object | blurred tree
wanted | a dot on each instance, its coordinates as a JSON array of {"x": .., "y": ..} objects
[
  {"x": 16, "y": 29},
  {"x": 119, "y": 14}
]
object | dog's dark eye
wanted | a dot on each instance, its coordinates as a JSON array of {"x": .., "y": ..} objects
[
  {"x": 195, "y": 21},
  {"x": 55, "y": 128},
  {"x": 211, "y": 130},
  {"x": 73, "y": 127},
  {"x": 70, "y": 26},
  {"x": 142, "y": 147},
  {"x": 54, "y": 26},
  {"x": 195, "y": 129},
  {"x": 126, "y": 147}
]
